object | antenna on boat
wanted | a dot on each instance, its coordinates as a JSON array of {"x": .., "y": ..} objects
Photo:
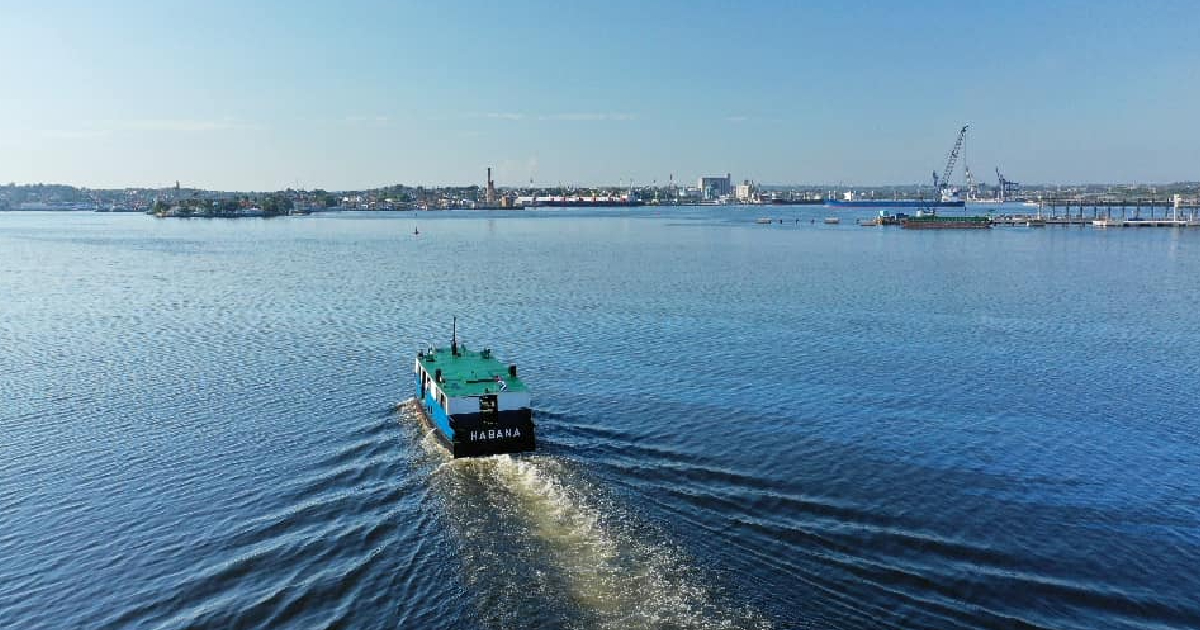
[{"x": 454, "y": 337}]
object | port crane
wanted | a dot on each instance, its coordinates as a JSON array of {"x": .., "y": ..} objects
[
  {"x": 1005, "y": 186},
  {"x": 943, "y": 185}
]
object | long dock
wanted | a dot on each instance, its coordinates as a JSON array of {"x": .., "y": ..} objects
[
  {"x": 1107, "y": 212},
  {"x": 1137, "y": 207}
]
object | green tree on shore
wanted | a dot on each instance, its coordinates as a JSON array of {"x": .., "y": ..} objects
[{"x": 275, "y": 205}]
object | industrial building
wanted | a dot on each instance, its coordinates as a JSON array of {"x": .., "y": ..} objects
[{"x": 715, "y": 187}]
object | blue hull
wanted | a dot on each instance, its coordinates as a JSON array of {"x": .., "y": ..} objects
[
  {"x": 470, "y": 435},
  {"x": 894, "y": 203}
]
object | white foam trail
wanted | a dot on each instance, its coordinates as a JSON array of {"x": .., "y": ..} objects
[
  {"x": 625, "y": 582},
  {"x": 614, "y": 576},
  {"x": 431, "y": 446}
]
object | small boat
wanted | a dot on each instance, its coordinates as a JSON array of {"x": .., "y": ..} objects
[
  {"x": 764, "y": 221},
  {"x": 832, "y": 220},
  {"x": 476, "y": 405},
  {"x": 416, "y": 231},
  {"x": 1108, "y": 222}
]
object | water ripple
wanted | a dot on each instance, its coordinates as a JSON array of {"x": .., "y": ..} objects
[{"x": 741, "y": 427}]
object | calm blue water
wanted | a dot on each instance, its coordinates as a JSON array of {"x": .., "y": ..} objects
[{"x": 790, "y": 426}]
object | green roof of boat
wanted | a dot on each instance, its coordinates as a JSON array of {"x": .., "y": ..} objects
[{"x": 469, "y": 373}]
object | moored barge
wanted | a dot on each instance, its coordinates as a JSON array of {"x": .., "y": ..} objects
[{"x": 945, "y": 222}]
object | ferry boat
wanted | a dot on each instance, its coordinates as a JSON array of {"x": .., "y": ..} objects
[{"x": 476, "y": 405}]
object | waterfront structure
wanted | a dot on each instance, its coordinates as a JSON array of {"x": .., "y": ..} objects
[
  {"x": 580, "y": 201},
  {"x": 849, "y": 200},
  {"x": 715, "y": 187},
  {"x": 1081, "y": 203},
  {"x": 746, "y": 191}
]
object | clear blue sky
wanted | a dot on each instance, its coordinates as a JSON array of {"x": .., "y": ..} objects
[{"x": 267, "y": 95}]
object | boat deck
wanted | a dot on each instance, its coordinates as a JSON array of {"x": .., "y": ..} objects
[{"x": 469, "y": 373}]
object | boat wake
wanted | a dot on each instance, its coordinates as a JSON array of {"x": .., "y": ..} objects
[{"x": 543, "y": 546}]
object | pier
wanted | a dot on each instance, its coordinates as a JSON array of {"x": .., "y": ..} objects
[{"x": 1107, "y": 212}]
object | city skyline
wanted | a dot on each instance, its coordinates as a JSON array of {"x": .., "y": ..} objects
[{"x": 266, "y": 97}]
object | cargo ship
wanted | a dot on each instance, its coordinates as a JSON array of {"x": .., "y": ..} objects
[
  {"x": 893, "y": 203},
  {"x": 797, "y": 202},
  {"x": 476, "y": 405}
]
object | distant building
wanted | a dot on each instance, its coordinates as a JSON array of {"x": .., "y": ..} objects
[
  {"x": 746, "y": 191},
  {"x": 714, "y": 187}
]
